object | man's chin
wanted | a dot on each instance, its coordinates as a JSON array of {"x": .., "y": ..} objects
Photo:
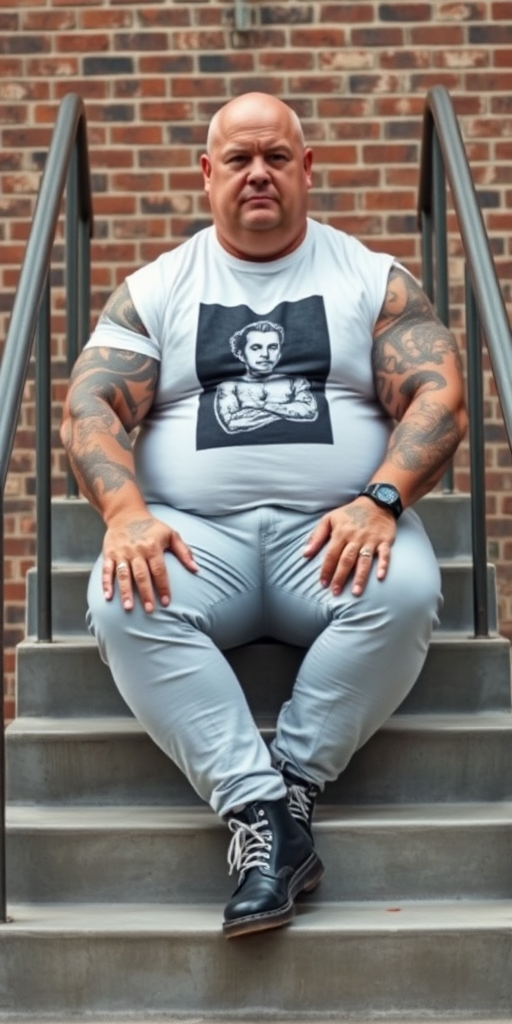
[{"x": 260, "y": 220}]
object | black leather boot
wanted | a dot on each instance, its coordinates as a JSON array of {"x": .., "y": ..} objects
[
  {"x": 276, "y": 860},
  {"x": 301, "y": 797}
]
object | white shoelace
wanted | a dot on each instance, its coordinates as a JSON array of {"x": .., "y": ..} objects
[
  {"x": 300, "y": 803},
  {"x": 250, "y": 845}
]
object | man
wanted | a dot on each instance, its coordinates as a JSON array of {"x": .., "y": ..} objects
[
  {"x": 304, "y": 537},
  {"x": 261, "y": 396}
]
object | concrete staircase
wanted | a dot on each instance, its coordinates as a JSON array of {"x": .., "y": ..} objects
[{"x": 117, "y": 874}]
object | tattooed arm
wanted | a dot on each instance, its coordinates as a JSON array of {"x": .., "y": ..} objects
[
  {"x": 110, "y": 392},
  {"x": 418, "y": 376}
]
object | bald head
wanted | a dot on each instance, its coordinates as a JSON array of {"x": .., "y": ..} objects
[
  {"x": 256, "y": 173},
  {"x": 252, "y": 107}
]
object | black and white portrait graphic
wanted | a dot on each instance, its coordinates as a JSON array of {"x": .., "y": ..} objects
[
  {"x": 263, "y": 376},
  {"x": 262, "y": 395}
]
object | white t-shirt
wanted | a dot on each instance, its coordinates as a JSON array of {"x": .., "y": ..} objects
[{"x": 265, "y": 393}]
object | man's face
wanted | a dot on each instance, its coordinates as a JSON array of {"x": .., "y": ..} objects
[
  {"x": 257, "y": 176},
  {"x": 261, "y": 353}
]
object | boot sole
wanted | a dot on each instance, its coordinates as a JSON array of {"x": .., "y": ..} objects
[{"x": 305, "y": 879}]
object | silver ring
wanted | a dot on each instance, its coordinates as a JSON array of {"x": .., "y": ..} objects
[
  {"x": 122, "y": 565},
  {"x": 366, "y": 553}
]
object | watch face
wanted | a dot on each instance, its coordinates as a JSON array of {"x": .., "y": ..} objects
[{"x": 387, "y": 493}]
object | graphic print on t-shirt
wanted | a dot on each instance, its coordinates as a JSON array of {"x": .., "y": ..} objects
[{"x": 263, "y": 376}]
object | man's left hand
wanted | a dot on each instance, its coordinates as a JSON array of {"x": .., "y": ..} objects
[{"x": 356, "y": 535}]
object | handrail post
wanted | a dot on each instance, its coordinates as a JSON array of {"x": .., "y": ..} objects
[
  {"x": 72, "y": 273},
  {"x": 427, "y": 254},
  {"x": 3, "y": 879},
  {"x": 43, "y": 468},
  {"x": 441, "y": 250},
  {"x": 477, "y": 462}
]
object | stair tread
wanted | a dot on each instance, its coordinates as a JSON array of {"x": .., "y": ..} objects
[
  {"x": 419, "y": 722},
  {"x": 329, "y": 817},
  {"x": 440, "y": 638},
  {"x": 436, "y": 916}
]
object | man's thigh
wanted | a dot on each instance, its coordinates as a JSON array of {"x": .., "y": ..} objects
[
  {"x": 298, "y": 607},
  {"x": 223, "y": 599}
]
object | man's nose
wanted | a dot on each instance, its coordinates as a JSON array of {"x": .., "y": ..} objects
[{"x": 258, "y": 171}]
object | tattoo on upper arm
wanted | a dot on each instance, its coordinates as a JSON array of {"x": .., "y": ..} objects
[
  {"x": 106, "y": 379},
  {"x": 411, "y": 345},
  {"x": 120, "y": 310}
]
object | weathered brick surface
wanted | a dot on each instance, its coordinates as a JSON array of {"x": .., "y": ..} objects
[{"x": 152, "y": 73}]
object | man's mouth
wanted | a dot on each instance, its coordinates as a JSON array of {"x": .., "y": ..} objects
[{"x": 262, "y": 197}]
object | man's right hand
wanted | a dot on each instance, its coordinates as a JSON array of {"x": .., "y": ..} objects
[{"x": 133, "y": 555}]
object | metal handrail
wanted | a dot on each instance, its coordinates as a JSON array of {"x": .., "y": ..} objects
[
  {"x": 66, "y": 171},
  {"x": 443, "y": 159}
]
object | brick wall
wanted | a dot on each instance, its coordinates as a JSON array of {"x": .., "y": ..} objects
[{"x": 152, "y": 73}]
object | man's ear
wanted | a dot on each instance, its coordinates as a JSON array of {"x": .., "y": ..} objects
[
  {"x": 206, "y": 168},
  {"x": 308, "y": 164}
]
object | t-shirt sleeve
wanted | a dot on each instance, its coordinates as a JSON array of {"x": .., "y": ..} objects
[{"x": 107, "y": 334}]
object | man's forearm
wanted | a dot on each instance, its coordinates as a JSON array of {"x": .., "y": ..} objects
[
  {"x": 421, "y": 447},
  {"x": 101, "y": 458}
]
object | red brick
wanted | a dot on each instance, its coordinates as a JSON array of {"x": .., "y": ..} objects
[
  {"x": 489, "y": 82},
  {"x": 150, "y": 88},
  {"x": 380, "y": 200},
  {"x": 148, "y": 17},
  {"x": 398, "y": 60},
  {"x": 138, "y": 182},
  {"x": 48, "y": 21},
  {"x": 344, "y": 107},
  {"x": 390, "y": 154},
  {"x": 380, "y": 37},
  {"x": 286, "y": 61},
  {"x": 405, "y": 12},
  {"x": 166, "y": 111},
  {"x": 136, "y": 135},
  {"x": 438, "y": 35},
  {"x": 353, "y": 177},
  {"x": 317, "y": 37},
  {"x": 94, "y": 19},
  {"x": 502, "y": 58},
  {"x": 87, "y": 88},
  {"x": 50, "y": 67},
  {"x": 351, "y": 13},
  {"x": 199, "y": 86},
  {"x": 197, "y": 40},
  {"x": 82, "y": 43}
]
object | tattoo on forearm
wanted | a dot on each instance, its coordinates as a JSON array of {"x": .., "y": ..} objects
[
  {"x": 100, "y": 474},
  {"x": 120, "y": 310},
  {"x": 424, "y": 440}
]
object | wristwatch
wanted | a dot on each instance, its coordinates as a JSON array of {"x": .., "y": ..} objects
[{"x": 384, "y": 495}]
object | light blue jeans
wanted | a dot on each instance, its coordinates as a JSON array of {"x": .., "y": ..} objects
[{"x": 364, "y": 653}]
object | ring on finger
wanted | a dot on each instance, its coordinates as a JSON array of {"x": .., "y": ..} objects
[
  {"x": 122, "y": 566},
  {"x": 366, "y": 552}
]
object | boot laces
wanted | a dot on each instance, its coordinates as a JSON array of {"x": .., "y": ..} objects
[
  {"x": 250, "y": 845},
  {"x": 301, "y": 800}
]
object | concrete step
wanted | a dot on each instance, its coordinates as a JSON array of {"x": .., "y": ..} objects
[
  {"x": 412, "y": 759},
  {"x": 69, "y": 590},
  {"x": 366, "y": 958},
  {"x": 159, "y": 855},
  {"x": 67, "y": 678},
  {"x": 77, "y": 529}
]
